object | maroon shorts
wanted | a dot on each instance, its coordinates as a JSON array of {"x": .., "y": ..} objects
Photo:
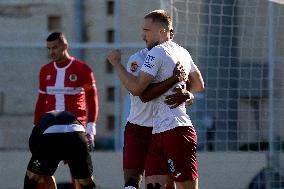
[
  {"x": 137, "y": 140},
  {"x": 173, "y": 152}
]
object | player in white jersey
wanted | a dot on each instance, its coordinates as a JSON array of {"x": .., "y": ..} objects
[
  {"x": 174, "y": 141},
  {"x": 139, "y": 111},
  {"x": 138, "y": 129}
]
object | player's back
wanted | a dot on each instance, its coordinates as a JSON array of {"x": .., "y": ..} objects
[{"x": 59, "y": 119}]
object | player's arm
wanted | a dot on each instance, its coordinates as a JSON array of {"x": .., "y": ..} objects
[
  {"x": 92, "y": 107},
  {"x": 40, "y": 104},
  {"x": 155, "y": 90},
  {"x": 39, "y": 108},
  {"x": 178, "y": 97},
  {"x": 194, "y": 84},
  {"x": 89, "y": 85},
  {"x": 92, "y": 113},
  {"x": 195, "y": 81},
  {"x": 135, "y": 85}
]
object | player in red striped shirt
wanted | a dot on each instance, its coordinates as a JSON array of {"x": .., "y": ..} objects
[{"x": 67, "y": 83}]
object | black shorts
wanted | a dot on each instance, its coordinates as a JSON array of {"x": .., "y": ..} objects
[{"x": 49, "y": 149}]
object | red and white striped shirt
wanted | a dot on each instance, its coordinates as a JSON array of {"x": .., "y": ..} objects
[{"x": 71, "y": 87}]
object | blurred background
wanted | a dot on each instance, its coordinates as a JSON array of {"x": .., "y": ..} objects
[{"x": 237, "y": 44}]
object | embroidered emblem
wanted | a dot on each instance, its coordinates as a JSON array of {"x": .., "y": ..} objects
[
  {"x": 133, "y": 66},
  {"x": 73, "y": 77}
]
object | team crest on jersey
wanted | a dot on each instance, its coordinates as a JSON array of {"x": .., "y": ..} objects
[
  {"x": 73, "y": 77},
  {"x": 48, "y": 77},
  {"x": 133, "y": 66}
]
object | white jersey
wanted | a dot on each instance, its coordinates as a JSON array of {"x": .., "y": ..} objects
[
  {"x": 140, "y": 113},
  {"x": 160, "y": 62}
]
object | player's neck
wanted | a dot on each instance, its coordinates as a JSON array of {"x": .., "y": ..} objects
[
  {"x": 164, "y": 40},
  {"x": 64, "y": 61}
]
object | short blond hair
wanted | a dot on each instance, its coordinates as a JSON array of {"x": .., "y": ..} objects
[{"x": 162, "y": 17}]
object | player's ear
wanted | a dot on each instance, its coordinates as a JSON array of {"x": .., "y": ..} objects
[
  {"x": 162, "y": 31},
  {"x": 65, "y": 46}
]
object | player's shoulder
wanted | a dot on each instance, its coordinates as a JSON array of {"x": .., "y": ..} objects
[
  {"x": 135, "y": 61},
  {"x": 181, "y": 48},
  {"x": 159, "y": 51},
  {"x": 51, "y": 63},
  {"x": 138, "y": 57},
  {"x": 161, "y": 48},
  {"x": 47, "y": 66},
  {"x": 81, "y": 64},
  {"x": 140, "y": 54},
  {"x": 78, "y": 61},
  {"x": 185, "y": 52},
  {"x": 143, "y": 52}
]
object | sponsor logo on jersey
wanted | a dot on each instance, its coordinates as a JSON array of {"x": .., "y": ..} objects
[
  {"x": 48, "y": 77},
  {"x": 73, "y": 77},
  {"x": 133, "y": 66},
  {"x": 149, "y": 59},
  {"x": 64, "y": 90}
]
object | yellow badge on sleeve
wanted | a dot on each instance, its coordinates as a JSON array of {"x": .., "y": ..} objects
[{"x": 133, "y": 66}]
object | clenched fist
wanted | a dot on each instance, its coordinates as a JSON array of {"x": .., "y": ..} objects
[{"x": 114, "y": 57}]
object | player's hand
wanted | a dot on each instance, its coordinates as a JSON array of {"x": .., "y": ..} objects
[
  {"x": 91, "y": 142},
  {"x": 179, "y": 72},
  {"x": 114, "y": 57},
  {"x": 178, "y": 97}
]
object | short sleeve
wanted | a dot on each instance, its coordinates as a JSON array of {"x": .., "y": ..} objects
[
  {"x": 88, "y": 75},
  {"x": 152, "y": 62},
  {"x": 193, "y": 67}
]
